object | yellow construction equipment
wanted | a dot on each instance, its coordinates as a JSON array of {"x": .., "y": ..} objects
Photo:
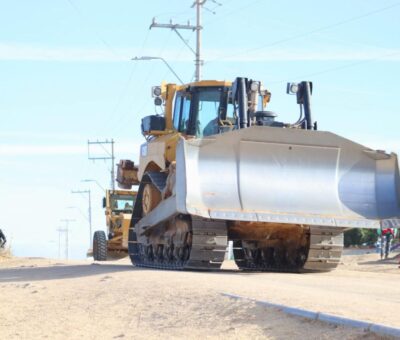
[
  {"x": 118, "y": 206},
  {"x": 217, "y": 166}
]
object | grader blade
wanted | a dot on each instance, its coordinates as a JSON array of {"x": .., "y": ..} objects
[{"x": 287, "y": 176}]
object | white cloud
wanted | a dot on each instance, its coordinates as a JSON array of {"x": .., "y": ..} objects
[
  {"x": 72, "y": 149},
  {"x": 27, "y": 52},
  {"x": 312, "y": 54},
  {"x": 45, "y": 53},
  {"x": 35, "y": 150},
  {"x": 55, "y": 136}
]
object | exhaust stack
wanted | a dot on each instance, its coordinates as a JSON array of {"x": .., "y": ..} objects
[{"x": 303, "y": 92}]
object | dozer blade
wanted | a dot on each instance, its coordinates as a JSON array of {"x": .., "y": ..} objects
[{"x": 288, "y": 176}]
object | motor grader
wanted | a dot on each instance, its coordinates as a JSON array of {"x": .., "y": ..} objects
[
  {"x": 217, "y": 166},
  {"x": 118, "y": 206}
]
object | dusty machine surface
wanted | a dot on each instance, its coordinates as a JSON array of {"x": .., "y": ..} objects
[
  {"x": 218, "y": 167},
  {"x": 118, "y": 206}
]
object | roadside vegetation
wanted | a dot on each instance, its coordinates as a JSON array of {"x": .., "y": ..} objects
[{"x": 363, "y": 237}]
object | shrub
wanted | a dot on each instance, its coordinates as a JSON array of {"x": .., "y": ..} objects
[{"x": 357, "y": 237}]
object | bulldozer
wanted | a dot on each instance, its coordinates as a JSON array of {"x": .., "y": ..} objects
[
  {"x": 118, "y": 205},
  {"x": 217, "y": 166}
]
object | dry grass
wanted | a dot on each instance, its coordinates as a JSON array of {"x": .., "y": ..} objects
[{"x": 5, "y": 253}]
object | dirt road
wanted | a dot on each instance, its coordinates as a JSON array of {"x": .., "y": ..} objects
[{"x": 49, "y": 299}]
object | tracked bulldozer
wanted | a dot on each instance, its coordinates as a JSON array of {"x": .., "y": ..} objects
[{"x": 217, "y": 166}]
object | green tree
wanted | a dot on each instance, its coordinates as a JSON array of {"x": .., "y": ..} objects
[
  {"x": 357, "y": 237},
  {"x": 369, "y": 236},
  {"x": 352, "y": 237}
]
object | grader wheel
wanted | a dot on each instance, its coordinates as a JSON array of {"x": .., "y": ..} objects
[
  {"x": 99, "y": 246},
  {"x": 151, "y": 198}
]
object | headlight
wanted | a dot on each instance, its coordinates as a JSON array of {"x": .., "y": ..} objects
[
  {"x": 255, "y": 86},
  {"x": 156, "y": 91}
]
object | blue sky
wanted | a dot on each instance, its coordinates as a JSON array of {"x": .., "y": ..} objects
[{"x": 66, "y": 77}]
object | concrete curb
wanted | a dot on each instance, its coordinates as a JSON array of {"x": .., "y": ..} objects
[{"x": 332, "y": 319}]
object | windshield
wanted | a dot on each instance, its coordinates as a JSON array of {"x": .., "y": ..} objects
[
  {"x": 198, "y": 111},
  {"x": 122, "y": 203},
  {"x": 207, "y": 105}
]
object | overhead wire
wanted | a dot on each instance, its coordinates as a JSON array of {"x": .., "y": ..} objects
[
  {"x": 220, "y": 15},
  {"x": 144, "y": 83},
  {"x": 90, "y": 27},
  {"x": 305, "y": 34},
  {"x": 357, "y": 63},
  {"x": 177, "y": 56},
  {"x": 175, "y": 15},
  {"x": 124, "y": 91}
]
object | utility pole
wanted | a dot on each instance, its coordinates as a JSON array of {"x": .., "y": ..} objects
[
  {"x": 109, "y": 156},
  {"x": 89, "y": 211},
  {"x": 93, "y": 180},
  {"x": 66, "y": 231},
  {"x": 198, "y": 61},
  {"x": 175, "y": 27},
  {"x": 60, "y": 230}
]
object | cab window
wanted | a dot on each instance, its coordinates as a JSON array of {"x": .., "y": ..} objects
[
  {"x": 122, "y": 203},
  {"x": 177, "y": 110},
  {"x": 185, "y": 115},
  {"x": 206, "y": 109},
  {"x": 181, "y": 112}
]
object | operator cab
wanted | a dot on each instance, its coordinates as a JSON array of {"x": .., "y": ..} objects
[
  {"x": 208, "y": 108},
  {"x": 202, "y": 111},
  {"x": 122, "y": 203}
]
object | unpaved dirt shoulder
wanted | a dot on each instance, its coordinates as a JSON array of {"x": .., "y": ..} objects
[{"x": 115, "y": 300}]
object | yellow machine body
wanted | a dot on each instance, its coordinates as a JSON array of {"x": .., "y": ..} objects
[
  {"x": 118, "y": 218},
  {"x": 218, "y": 167}
]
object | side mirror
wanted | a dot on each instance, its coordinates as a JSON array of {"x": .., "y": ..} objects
[{"x": 104, "y": 202}]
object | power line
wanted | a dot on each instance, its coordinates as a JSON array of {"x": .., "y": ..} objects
[
  {"x": 66, "y": 231},
  {"x": 302, "y": 35},
  {"x": 124, "y": 90},
  {"x": 89, "y": 219},
  {"x": 122, "y": 119},
  {"x": 357, "y": 63},
  {"x": 232, "y": 11},
  {"x": 174, "y": 14},
  {"x": 177, "y": 56},
  {"x": 109, "y": 156},
  {"x": 199, "y": 5},
  {"x": 86, "y": 22}
]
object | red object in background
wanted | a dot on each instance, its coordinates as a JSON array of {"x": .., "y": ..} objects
[{"x": 388, "y": 230}]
